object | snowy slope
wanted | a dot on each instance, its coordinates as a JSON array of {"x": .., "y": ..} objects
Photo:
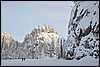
[
  {"x": 87, "y": 61},
  {"x": 83, "y": 31}
]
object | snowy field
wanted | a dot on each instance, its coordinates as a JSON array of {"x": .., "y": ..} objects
[{"x": 87, "y": 61}]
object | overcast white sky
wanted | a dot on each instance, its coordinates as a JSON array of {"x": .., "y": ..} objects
[{"x": 18, "y": 18}]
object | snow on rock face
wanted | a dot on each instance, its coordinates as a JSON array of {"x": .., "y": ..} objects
[
  {"x": 42, "y": 42},
  {"x": 8, "y": 46},
  {"x": 83, "y": 30},
  {"x": 7, "y": 38}
]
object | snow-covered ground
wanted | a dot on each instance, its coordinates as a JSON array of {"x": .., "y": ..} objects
[{"x": 87, "y": 61}]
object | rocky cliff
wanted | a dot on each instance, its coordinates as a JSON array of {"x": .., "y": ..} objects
[
  {"x": 8, "y": 46},
  {"x": 83, "y": 30},
  {"x": 42, "y": 42}
]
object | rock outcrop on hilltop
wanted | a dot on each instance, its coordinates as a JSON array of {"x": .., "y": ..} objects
[
  {"x": 42, "y": 42},
  {"x": 8, "y": 46}
]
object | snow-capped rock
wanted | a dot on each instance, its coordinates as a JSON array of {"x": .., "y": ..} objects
[
  {"x": 83, "y": 30},
  {"x": 42, "y": 42},
  {"x": 8, "y": 46}
]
